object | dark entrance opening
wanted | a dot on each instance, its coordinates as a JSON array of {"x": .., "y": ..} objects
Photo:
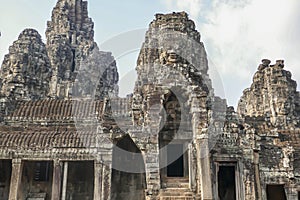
[
  {"x": 275, "y": 192},
  {"x": 36, "y": 181},
  {"x": 226, "y": 183},
  {"x": 128, "y": 174},
  {"x": 42, "y": 171},
  {"x": 80, "y": 184},
  {"x": 175, "y": 160},
  {"x": 5, "y": 174}
]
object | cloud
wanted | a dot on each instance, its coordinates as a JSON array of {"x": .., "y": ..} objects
[{"x": 239, "y": 33}]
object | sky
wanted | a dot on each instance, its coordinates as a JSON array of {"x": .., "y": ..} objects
[{"x": 237, "y": 34}]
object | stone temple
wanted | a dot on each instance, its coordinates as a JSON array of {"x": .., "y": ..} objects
[{"x": 66, "y": 135}]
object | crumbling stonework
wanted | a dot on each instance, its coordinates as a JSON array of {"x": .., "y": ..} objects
[
  {"x": 71, "y": 46},
  {"x": 64, "y": 133},
  {"x": 26, "y": 71},
  {"x": 272, "y": 95},
  {"x": 271, "y": 106},
  {"x": 173, "y": 101}
]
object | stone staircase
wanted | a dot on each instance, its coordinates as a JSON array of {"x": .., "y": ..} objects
[
  {"x": 176, "y": 189},
  {"x": 36, "y": 196}
]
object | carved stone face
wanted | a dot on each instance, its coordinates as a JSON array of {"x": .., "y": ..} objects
[
  {"x": 283, "y": 108},
  {"x": 15, "y": 64},
  {"x": 173, "y": 110}
]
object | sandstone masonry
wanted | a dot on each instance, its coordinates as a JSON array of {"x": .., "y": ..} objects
[{"x": 65, "y": 134}]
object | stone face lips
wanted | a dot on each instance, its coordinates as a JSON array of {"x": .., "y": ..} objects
[
  {"x": 272, "y": 95},
  {"x": 26, "y": 71}
]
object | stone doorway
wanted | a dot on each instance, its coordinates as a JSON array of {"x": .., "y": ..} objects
[
  {"x": 226, "y": 182},
  {"x": 175, "y": 160},
  {"x": 276, "y": 192},
  {"x": 36, "y": 182},
  {"x": 5, "y": 174}
]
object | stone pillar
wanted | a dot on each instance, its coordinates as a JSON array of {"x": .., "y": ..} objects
[
  {"x": 291, "y": 192},
  {"x": 98, "y": 181},
  {"x": 257, "y": 177},
  {"x": 204, "y": 169},
  {"x": 65, "y": 181},
  {"x": 152, "y": 175},
  {"x": 16, "y": 177},
  {"x": 193, "y": 167},
  {"x": 190, "y": 161},
  {"x": 106, "y": 187},
  {"x": 57, "y": 178}
]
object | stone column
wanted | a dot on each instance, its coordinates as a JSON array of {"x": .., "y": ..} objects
[
  {"x": 257, "y": 177},
  {"x": 57, "y": 178},
  {"x": 98, "y": 181},
  {"x": 190, "y": 165},
  {"x": 65, "y": 181},
  {"x": 16, "y": 177},
  {"x": 200, "y": 123},
  {"x": 106, "y": 187},
  {"x": 204, "y": 169},
  {"x": 152, "y": 174},
  {"x": 291, "y": 192}
]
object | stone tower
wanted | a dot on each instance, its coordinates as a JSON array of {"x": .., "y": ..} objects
[
  {"x": 77, "y": 64},
  {"x": 174, "y": 104},
  {"x": 272, "y": 95},
  {"x": 26, "y": 71}
]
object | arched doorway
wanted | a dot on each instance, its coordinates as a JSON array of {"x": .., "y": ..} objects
[{"x": 174, "y": 138}]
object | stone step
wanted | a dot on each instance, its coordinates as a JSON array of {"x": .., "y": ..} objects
[
  {"x": 176, "y": 193},
  {"x": 176, "y": 198},
  {"x": 169, "y": 193},
  {"x": 178, "y": 179},
  {"x": 176, "y": 183}
]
